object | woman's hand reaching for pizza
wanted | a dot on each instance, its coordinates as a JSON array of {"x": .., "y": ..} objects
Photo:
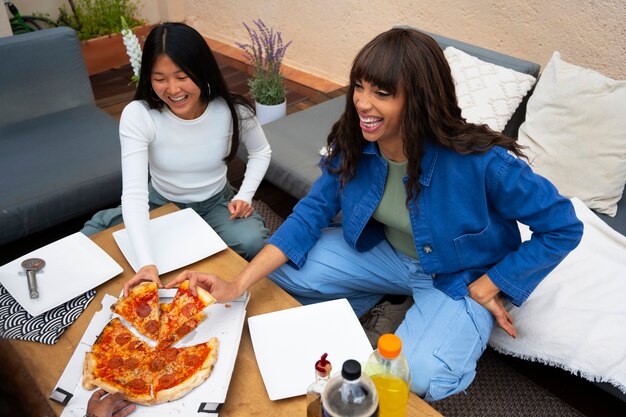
[
  {"x": 223, "y": 291},
  {"x": 146, "y": 273},
  {"x": 112, "y": 405},
  {"x": 239, "y": 209}
]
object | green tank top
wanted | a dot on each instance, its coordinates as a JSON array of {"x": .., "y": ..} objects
[{"x": 393, "y": 213}]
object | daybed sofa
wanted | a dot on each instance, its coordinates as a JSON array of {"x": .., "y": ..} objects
[
  {"x": 565, "y": 319},
  {"x": 59, "y": 153}
]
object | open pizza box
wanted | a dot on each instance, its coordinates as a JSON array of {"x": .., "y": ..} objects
[{"x": 224, "y": 321}]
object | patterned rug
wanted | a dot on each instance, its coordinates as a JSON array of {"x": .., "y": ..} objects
[{"x": 497, "y": 391}]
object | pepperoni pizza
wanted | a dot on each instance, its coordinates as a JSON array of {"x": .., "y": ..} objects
[{"x": 122, "y": 362}]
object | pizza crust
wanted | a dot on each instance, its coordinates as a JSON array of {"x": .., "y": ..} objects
[
  {"x": 112, "y": 388},
  {"x": 89, "y": 367},
  {"x": 178, "y": 391},
  {"x": 203, "y": 294}
]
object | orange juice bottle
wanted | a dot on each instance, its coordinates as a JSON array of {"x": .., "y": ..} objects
[{"x": 389, "y": 370}]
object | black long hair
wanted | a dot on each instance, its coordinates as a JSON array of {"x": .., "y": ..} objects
[
  {"x": 413, "y": 61},
  {"x": 190, "y": 52}
]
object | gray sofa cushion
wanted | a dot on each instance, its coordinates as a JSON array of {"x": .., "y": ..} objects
[
  {"x": 56, "y": 167},
  {"x": 59, "y": 153},
  {"x": 42, "y": 72}
]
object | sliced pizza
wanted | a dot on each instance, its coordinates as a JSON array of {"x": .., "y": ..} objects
[
  {"x": 135, "y": 383},
  {"x": 183, "y": 330},
  {"x": 115, "y": 337},
  {"x": 179, "y": 370},
  {"x": 115, "y": 363},
  {"x": 141, "y": 309},
  {"x": 184, "y": 306}
]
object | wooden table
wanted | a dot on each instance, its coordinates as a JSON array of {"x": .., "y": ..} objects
[{"x": 246, "y": 395}]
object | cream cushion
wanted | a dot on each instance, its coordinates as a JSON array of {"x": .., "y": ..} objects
[
  {"x": 487, "y": 93},
  {"x": 575, "y": 130}
]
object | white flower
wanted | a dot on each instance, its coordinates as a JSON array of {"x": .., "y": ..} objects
[{"x": 133, "y": 49}]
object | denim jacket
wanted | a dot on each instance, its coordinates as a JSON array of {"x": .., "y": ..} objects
[{"x": 464, "y": 219}]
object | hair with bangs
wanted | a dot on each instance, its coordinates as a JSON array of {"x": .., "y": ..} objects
[
  {"x": 190, "y": 52},
  {"x": 413, "y": 61}
]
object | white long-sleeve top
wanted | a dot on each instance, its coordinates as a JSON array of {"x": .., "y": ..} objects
[{"x": 185, "y": 159}]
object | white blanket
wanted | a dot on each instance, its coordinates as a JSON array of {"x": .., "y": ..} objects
[{"x": 576, "y": 318}]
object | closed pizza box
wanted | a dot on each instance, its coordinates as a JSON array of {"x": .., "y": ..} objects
[{"x": 224, "y": 321}]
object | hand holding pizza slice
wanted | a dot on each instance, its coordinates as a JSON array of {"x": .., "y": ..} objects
[{"x": 184, "y": 310}]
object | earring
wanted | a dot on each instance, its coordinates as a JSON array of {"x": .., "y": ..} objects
[
  {"x": 153, "y": 94},
  {"x": 209, "y": 85}
]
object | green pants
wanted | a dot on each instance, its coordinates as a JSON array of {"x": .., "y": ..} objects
[{"x": 245, "y": 236}]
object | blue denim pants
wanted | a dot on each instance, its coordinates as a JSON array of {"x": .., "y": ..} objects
[
  {"x": 245, "y": 236},
  {"x": 442, "y": 338}
]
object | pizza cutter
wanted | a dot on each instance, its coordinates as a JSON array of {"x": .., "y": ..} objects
[{"x": 32, "y": 265}]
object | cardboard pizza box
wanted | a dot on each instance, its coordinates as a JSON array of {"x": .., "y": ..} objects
[{"x": 224, "y": 321}]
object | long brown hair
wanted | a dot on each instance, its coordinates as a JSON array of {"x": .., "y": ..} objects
[{"x": 412, "y": 60}]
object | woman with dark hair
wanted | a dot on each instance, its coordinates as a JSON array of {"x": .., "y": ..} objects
[
  {"x": 177, "y": 137},
  {"x": 429, "y": 204}
]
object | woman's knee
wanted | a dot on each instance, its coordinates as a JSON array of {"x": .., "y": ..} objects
[
  {"x": 246, "y": 240},
  {"x": 249, "y": 245},
  {"x": 435, "y": 381}
]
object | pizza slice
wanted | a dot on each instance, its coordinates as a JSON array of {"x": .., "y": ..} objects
[
  {"x": 176, "y": 371},
  {"x": 117, "y": 363},
  {"x": 141, "y": 309},
  {"x": 184, "y": 306},
  {"x": 183, "y": 330},
  {"x": 136, "y": 382},
  {"x": 115, "y": 338}
]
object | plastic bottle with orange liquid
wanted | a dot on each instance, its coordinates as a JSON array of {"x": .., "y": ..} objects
[{"x": 389, "y": 370}]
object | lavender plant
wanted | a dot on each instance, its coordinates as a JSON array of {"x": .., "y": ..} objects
[{"x": 265, "y": 53}]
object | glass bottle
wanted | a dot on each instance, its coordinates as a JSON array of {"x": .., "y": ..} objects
[
  {"x": 350, "y": 394},
  {"x": 391, "y": 375},
  {"x": 315, "y": 390}
]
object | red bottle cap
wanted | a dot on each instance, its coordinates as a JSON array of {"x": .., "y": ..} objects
[{"x": 323, "y": 367}]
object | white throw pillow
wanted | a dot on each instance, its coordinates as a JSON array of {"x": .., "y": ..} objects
[
  {"x": 575, "y": 129},
  {"x": 487, "y": 93}
]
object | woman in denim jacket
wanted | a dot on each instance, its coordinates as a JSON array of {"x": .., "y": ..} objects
[{"x": 430, "y": 205}]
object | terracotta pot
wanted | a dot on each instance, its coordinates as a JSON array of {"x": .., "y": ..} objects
[{"x": 106, "y": 52}]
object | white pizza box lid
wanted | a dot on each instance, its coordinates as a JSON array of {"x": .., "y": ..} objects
[
  {"x": 74, "y": 265},
  {"x": 224, "y": 321},
  {"x": 177, "y": 239}
]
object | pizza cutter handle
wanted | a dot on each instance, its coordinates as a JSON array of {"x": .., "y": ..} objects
[{"x": 32, "y": 284}]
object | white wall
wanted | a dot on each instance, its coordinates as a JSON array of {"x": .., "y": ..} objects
[
  {"x": 5, "y": 26},
  {"x": 328, "y": 33}
]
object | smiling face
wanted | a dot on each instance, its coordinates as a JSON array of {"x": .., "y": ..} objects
[
  {"x": 380, "y": 113},
  {"x": 176, "y": 89}
]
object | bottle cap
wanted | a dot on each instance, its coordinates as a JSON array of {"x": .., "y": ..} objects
[
  {"x": 389, "y": 346},
  {"x": 323, "y": 367},
  {"x": 351, "y": 370}
]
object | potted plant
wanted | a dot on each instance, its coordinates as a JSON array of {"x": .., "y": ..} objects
[
  {"x": 265, "y": 53},
  {"x": 98, "y": 24}
]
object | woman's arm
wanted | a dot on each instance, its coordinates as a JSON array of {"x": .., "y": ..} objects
[
  {"x": 136, "y": 131},
  {"x": 266, "y": 261},
  {"x": 521, "y": 195},
  {"x": 259, "y": 155}
]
